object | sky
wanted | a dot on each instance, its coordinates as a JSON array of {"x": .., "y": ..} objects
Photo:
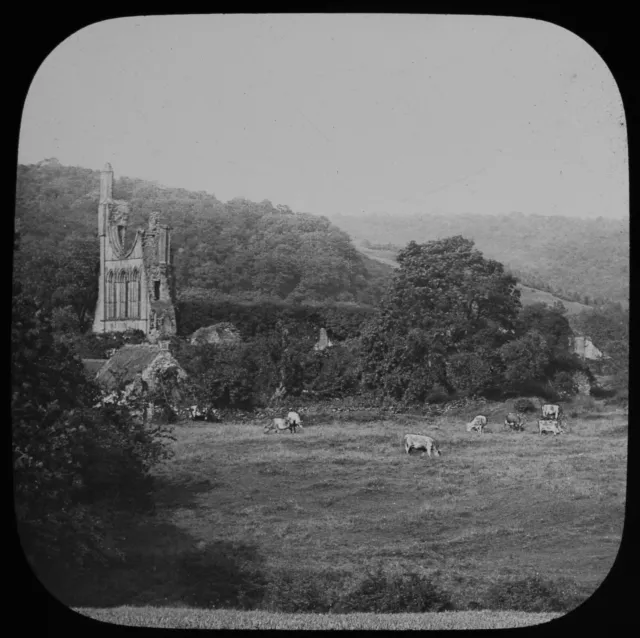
[{"x": 341, "y": 113}]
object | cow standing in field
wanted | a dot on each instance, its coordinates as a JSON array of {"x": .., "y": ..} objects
[
  {"x": 279, "y": 425},
  {"x": 551, "y": 412},
  {"x": 478, "y": 424},
  {"x": 420, "y": 442},
  {"x": 295, "y": 420},
  {"x": 549, "y": 425},
  {"x": 514, "y": 421}
]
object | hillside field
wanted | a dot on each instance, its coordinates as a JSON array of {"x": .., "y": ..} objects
[
  {"x": 528, "y": 294},
  {"x": 237, "y": 508}
]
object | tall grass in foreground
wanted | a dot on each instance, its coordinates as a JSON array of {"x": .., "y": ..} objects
[{"x": 231, "y": 619}]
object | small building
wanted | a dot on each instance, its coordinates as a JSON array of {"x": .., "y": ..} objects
[
  {"x": 134, "y": 364},
  {"x": 219, "y": 333},
  {"x": 584, "y": 348}
]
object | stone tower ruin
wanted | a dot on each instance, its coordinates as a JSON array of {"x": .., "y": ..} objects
[{"x": 135, "y": 289}]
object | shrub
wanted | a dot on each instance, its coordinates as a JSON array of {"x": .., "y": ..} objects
[
  {"x": 297, "y": 593},
  {"x": 524, "y": 405},
  {"x": 437, "y": 395},
  {"x": 534, "y": 594},
  {"x": 564, "y": 383},
  {"x": 585, "y": 405},
  {"x": 602, "y": 393},
  {"x": 72, "y": 462},
  {"x": 381, "y": 593}
]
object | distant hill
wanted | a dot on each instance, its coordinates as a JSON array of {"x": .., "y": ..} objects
[
  {"x": 246, "y": 249},
  {"x": 573, "y": 258},
  {"x": 528, "y": 295}
]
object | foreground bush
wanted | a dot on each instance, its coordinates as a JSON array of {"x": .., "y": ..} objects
[
  {"x": 298, "y": 593},
  {"x": 534, "y": 594},
  {"x": 382, "y": 593},
  {"x": 73, "y": 464},
  {"x": 524, "y": 405}
]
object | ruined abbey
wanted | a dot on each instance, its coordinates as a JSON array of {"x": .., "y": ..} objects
[{"x": 135, "y": 289}]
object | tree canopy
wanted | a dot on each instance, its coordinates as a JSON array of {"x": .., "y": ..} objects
[
  {"x": 239, "y": 247},
  {"x": 447, "y": 310}
]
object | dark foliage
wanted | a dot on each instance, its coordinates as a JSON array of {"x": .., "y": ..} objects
[
  {"x": 241, "y": 247},
  {"x": 442, "y": 322},
  {"x": 74, "y": 464},
  {"x": 342, "y": 321},
  {"x": 524, "y": 405},
  {"x": 384, "y": 594},
  {"x": 534, "y": 594}
]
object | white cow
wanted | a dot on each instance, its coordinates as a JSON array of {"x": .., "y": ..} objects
[
  {"x": 514, "y": 421},
  {"x": 279, "y": 425},
  {"x": 548, "y": 425},
  {"x": 477, "y": 424},
  {"x": 550, "y": 411},
  {"x": 420, "y": 442},
  {"x": 295, "y": 420}
]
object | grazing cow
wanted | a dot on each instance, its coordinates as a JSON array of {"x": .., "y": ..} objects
[
  {"x": 420, "y": 442},
  {"x": 550, "y": 412},
  {"x": 295, "y": 420},
  {"x": 477, "y": 424},
  {"x": 514, "y": 421},
  {"x": 548, "y": 425},
  {"x": 279, "y": 425}
]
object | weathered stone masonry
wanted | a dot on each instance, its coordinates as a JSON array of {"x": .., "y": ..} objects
[{"x": 136, "y": 283}]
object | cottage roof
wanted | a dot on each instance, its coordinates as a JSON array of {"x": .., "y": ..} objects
[
  {"x": 93, "y": 366},
  {"x": 127, "y": 363}
]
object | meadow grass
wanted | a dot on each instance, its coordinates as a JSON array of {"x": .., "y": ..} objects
[
  {"x": 232, "y": 619},
  {"x": 239, "y": 510}
]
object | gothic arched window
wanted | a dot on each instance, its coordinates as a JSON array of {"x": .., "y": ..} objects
[
  {"x": 121, "y": 294},
  {"x": 133, "y": 295},
  {"x": 110, "y": 305}
]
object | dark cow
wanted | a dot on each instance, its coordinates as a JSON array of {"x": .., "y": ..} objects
[{"x": 514, "y": 421}]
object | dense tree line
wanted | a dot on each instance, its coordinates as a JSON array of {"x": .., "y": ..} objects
[
  {"x": 241, "y": 247},
  {"x": 453, "y": 323}
]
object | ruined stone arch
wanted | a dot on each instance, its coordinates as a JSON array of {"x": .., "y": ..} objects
[
  {"x": 122, "y": 281},
  {"x": 133, "y": 294},
  {"x": 110, "y": 296}
]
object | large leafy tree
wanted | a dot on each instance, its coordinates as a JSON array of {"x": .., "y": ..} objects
[
  {"x": 442, "y": 321},
  {"x": 74, "y": 464}
]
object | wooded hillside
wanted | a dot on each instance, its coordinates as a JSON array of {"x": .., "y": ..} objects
[
  {"x": 576, "y": 259},
  {"x": 239, "y": 247}
]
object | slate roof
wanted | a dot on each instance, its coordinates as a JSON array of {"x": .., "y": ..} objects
[
  {"x": 92, "y": 366},
  {"x": 127, "y": 363}
]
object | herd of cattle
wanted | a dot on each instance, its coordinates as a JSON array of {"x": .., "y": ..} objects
[{"x": 550, "y": 422}]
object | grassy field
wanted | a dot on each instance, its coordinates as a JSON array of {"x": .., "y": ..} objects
[
  {"x": 242, "y": 515},
  {"x": 232, "y": 619}
]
